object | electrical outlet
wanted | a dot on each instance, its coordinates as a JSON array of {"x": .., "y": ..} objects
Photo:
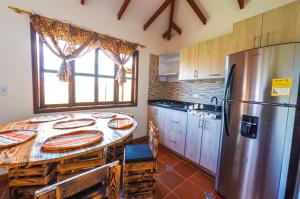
[
  {"x": 3, "y": 90},
  {"x": 196, "y": 95}
]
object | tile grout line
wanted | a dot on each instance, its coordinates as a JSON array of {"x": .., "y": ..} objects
[{"x": 185, "y": 179}]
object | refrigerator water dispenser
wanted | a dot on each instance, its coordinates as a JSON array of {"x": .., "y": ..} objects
[{"x": 249, "y": 126}]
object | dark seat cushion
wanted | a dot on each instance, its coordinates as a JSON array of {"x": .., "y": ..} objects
[{"x": 138, "y": 153}]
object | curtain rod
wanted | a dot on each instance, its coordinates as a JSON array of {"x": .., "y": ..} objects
[{"x": 20, "y": 11}]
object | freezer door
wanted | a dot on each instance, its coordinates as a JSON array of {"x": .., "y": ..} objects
[
  {"x": 255, "y": 69},
  {"x": 252, "y": 152}
]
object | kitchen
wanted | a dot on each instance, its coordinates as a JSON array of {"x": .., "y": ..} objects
[
  {"x": 182, "y": 96},
  {"x": 169, "y": 99}
]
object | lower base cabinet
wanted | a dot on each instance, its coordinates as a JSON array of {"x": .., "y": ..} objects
[
  {"x": 195, "y": 137},
  {"x": 210, "y": 144},
  {"x": 175, "y": 130}
]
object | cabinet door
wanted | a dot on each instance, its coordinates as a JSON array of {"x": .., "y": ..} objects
[
  {"x": 210, "y": 144},
  {"x": 282, "y": 25},
  {"x": 204, "y": 59},
  {"x": 158, "y": 117},
  {"x": 220, "y": 48},
  {"x": 247, "y": 34},
  {"x": 193, "y": 138},
  {"x": 175, "y": 130},
  {"x": 188, "y": 63}
]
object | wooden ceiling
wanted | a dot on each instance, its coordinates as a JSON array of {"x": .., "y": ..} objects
[{"x": 172, "y": 25}]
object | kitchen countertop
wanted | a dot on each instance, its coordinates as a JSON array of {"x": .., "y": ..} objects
[{"x": 183, "y": 106}]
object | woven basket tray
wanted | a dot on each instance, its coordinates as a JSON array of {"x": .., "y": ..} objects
[
  {"x": 72, "y": 141},
  {"x": 120, "y": 123},
  {"x": 47, "y": 118},
  {"x": 14, "y": 137},
  {"x": 104, "y": 115},
  {"x": 72, "y": 124}
]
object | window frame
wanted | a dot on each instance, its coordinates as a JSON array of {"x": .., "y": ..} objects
[{"x": 38, "y": 84}]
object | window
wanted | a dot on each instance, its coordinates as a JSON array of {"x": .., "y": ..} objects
[{"x": 92, "y": 84}]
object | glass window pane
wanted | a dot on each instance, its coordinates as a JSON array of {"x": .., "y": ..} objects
[
  {"x": 84, "y": 89},
  {"x": 86, "y": 63},
  {"x": 125, "y": 91},
  {"x": 128, "y": 68},
  {"x": 106, "y": 89},
  {"x": 51, "y": 61},
  {"x": 56, "y": 92},
  {"x": 105, "y": 64}
]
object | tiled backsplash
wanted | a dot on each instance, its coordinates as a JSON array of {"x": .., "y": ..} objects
[{"x": 183, "y": 90}]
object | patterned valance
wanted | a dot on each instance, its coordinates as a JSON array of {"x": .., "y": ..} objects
[{"x": 69, "y": 42}]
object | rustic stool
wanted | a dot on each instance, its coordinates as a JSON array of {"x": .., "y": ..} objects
[
  {"x": 139, "y": 167},
  {"x": 101, "y": 182}
]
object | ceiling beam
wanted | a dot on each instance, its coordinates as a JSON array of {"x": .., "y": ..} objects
[
  {"x": 176, "y": 28},
  {"x": 197, "y": 10},
  {"x": 241, "y": 4},
  {"x": 123, "y": 8},
  {"x": 82, "y": 2},
  {"x": 157, "y": 13},
  {"x": 171, "y": 18}
]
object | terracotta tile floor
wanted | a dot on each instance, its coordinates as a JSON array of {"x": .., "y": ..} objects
[{"x": 178, "y": 179}]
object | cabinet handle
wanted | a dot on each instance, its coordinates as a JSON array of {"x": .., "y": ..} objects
[
  {"x": 173, "y": 141},
  {"x": 196, "y": 74},
  {"x": 268, "y": 35},
  {"x": 215, "y": 74},
  {"x": 205, "y": 124},
  {"x": 255, "y": 37},
  {"x": 173, "y": 121}
]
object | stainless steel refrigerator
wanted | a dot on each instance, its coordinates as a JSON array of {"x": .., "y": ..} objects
[{"x": 259, "y": 150}]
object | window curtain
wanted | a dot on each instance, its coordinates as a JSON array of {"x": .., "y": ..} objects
[
  {"x": 70, "y": 42},
  {"x": 120, "y": 52},
  {"x": 65, "y": 40}
]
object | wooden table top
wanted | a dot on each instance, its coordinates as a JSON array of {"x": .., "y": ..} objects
[{"x": 30, "y": 153}]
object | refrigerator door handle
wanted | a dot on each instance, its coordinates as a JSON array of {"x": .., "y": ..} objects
[{"x": 227, "y": 89}]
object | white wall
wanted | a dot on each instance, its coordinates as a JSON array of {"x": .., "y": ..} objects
[{"x": 15, "y": 51}]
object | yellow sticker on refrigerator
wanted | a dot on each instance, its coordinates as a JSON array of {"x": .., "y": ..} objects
[{"x": 281, "y": 87}]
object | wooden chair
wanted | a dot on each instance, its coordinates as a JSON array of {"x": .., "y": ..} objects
[
  {"x": 139, "y": 167},
  {"x": 100, "y": 182}
]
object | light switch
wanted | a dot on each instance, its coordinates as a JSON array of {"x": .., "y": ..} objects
[{"x": 3, "y": 90}]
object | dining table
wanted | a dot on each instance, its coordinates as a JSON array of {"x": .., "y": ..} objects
[{"x": 28, "y": 162}]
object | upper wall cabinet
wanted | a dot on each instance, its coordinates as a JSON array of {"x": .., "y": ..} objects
[
  {"x": 188, "y": 63},
  {"x": 247, "y": 34},
  {"x": 210, "y": 59},
  {"x": 220, "y": 48},
  {"x": 281, "y": 25}
]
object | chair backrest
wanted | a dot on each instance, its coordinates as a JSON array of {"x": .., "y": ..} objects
[
  {"x": 128, "y": 114},
  {"x": 153, "y": 138},
  {"x": 105, "y": 176}
]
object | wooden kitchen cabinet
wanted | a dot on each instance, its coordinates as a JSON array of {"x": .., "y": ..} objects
[
  {"x": 204, "y": 60},
  {"x": 281, "y": 25},
  {"x": 188, "y": 63},
  {"x": 219, "y": 48},
  {"x": 247, "y": 33},
  {"x": 193, "y": 137},
  {"x": 157, "y": 115},
  {"x": 175, "y": 130},
  {"x": 210, "y": 144}
]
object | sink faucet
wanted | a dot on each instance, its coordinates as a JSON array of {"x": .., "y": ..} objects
[{"x": 216, "y": 104}]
